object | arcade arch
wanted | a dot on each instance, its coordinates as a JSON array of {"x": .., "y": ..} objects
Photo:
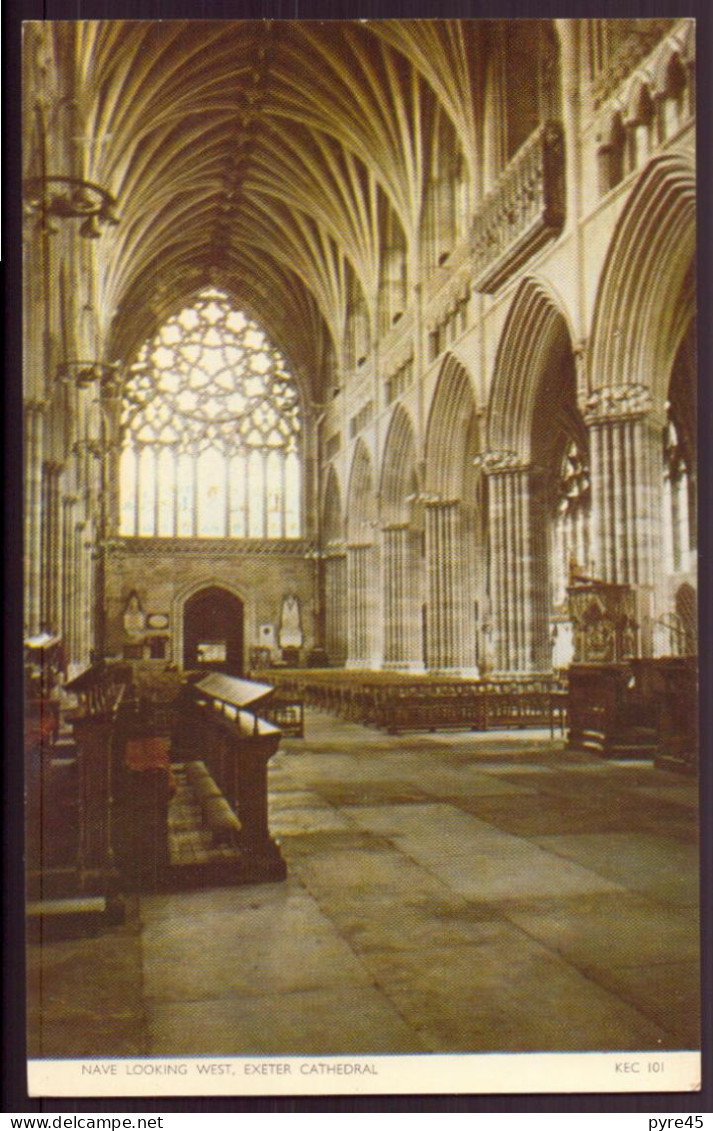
[
  {"x": 403, "y": 547},
  {"x": 538, "y": 484},
  {"x": 641, "y": 404},
  {"x": 453, "y": 515}
]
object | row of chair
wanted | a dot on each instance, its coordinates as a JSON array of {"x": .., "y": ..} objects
[{"x": 397, "y": 704}]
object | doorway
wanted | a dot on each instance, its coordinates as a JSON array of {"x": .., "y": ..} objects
[{"x": 213, "y": 631}]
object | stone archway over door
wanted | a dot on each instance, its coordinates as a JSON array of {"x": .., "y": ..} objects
[{"x": 213, "y": 631}]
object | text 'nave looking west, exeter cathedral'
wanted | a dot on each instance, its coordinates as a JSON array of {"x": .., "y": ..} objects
[{"x": 359, "y": 349}]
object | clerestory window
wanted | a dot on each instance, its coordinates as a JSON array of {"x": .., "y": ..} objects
[{"x": 211, "y": 431}]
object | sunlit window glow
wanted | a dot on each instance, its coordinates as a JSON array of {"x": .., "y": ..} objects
[{"x": 211, "y": 431}]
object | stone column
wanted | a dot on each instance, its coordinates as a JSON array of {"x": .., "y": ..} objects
[
  {"x": 402, "y": 598},
  {"x": 74, "y": 583},
  {"x": 51, "y": 548},
  {"x": 569, "y": 33},
  {"x": 89, "y": 608},
  {"x": 341, "y": 609},
  {"x": 495, "y": 141},
  {"x": 395, "y": 553},
  {"x": 317, "y": 652},
  {"x": 68, "y": 580},
  {"x": 45, "y": 564},
  {"x": 445, "y": 585},
  {"x": 34, "y": 431},
  {"x": 336, "y": 605},
  {"x": 414, "y": 598},
  {"x": 357, "y": 584},
  {"x": 112, "y": 489},
  {"x": 517, "y": 591},
  {"x": 98, "y": 563},
  {"x": 82, "y": 606},
  {"x": 56, "y": 551},
  {"x": 626, "y": 465}
]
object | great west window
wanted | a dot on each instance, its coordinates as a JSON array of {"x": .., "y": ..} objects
[{"x": 211, "y": 431}]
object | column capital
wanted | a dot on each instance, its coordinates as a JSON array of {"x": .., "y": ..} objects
[
  {"x": 394, "y": 527},
  {"x": 334, "y": 550},
  {"x": 433, "y": 500},
  {"x": 497, "y": 462},
  {"x": 617, "y": 402},
  {"x": 35, "y": 405}
]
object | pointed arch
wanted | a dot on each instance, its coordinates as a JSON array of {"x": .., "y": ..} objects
[
  {"x": 453, "y": 539},
  {"x": 535, "y": 342},
  {"x": 399, "y": 476},
  {"x": 633, "y": 332},
  {"x": 538, "y": 458},
  {"x": 185, "y": 595},
  {"x": 639, "y": 393},
  {"x": 451, "y": 434},
  {"x": 332, "y": 513},
  {"x": 402, "y": 546},
  {"x": 361, "y": 497}
]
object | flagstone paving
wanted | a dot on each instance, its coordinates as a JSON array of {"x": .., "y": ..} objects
[{"x": 464, "y": 892}]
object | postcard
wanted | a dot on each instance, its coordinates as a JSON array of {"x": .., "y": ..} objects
[{"x": 360, "y": 547}]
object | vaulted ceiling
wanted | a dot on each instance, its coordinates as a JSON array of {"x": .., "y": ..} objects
[{"x": 262, "y": 156}]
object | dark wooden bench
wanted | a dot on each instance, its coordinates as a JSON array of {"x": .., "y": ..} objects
[
  {"x": 221, "y": 725},
  {"x": 71, "y": 859},
  {"x": 217, "y": 812},
  {"x": 287, "y": 713}
]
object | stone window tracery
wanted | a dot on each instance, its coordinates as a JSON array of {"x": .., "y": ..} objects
[{"x": 211, "y": 431}]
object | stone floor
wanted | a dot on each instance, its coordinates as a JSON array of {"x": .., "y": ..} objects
[{"x": 446, "y": 892}]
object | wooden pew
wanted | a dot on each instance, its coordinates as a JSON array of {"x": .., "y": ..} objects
[
  {"x": 72, "y": 878},
  {"x": 286, "y": 712},
  {"x": 221, "y": 726},
  {"x": 398, "y": 702},
  {"x": 143, "y": 787}
]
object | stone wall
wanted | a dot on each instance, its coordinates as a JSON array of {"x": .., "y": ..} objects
[{"x": 164, "y": 573}]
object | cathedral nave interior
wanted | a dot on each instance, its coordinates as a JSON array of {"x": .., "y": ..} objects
[{"x": 360, "y": 535}]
